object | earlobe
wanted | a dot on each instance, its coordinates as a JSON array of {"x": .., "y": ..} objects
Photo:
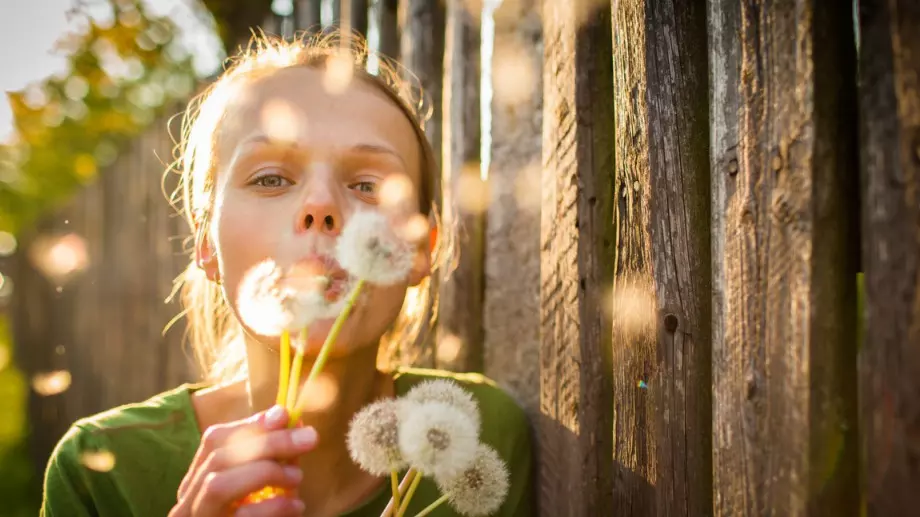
[
  {"x": 207, "y": 261},
  {"x": 421, "y": 268}
]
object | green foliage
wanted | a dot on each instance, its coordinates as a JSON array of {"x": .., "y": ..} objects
[
  {"x": 20, "y": 487},
  {"x": 73, "y": 124}
]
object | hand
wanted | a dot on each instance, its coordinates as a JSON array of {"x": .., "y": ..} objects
[{"x": 238, "y": 458}]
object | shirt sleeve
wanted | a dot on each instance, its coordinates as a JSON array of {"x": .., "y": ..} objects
[{"x": 66, "y": 489}]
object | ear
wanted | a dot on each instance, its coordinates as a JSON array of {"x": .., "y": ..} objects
[
  {"x": 206, "y": 258},
  {"x": 421, "y": 268}
]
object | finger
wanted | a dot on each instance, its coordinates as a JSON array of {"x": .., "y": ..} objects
[
  {"x": 275, "y": 507},
  {"x": 221, "y": 489},
  {"x": 275, "y": 445},
  {"x": 216, "y": 436}
]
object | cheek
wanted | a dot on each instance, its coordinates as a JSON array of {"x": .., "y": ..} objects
[{"x": 243, "y": 237}]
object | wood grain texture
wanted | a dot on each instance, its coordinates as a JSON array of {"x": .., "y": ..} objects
[
  {"x": 104, "y": 324},
  {"x": 358, "y": 15},
  {"x": 676, "y": 60},
  {"x": 632, "y": 299},
  {"x": 784, "y": 258},
  {"x": 575, "y": 425},
  {"x": 890, "y": 157},
  {"x": 459, "y": 346},
  {"x": 512, "y": 269},
  {"x": 387, "y": 12}
]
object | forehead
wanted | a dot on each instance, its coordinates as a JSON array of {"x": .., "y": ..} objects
[{"x": 293, "y": 105}]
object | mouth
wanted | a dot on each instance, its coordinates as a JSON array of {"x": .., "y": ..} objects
[{"x": 321, "y": 273}]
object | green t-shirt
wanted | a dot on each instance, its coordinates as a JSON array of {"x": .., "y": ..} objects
[{"x": 153, "y": 442}]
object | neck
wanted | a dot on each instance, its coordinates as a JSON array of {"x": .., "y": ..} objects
[{"x": 347, "y": 384}]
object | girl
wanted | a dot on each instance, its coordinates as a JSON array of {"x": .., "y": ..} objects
[{"x": 277, "y": 156}]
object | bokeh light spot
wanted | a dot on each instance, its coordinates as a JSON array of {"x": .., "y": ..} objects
[
  {"x": 339, "y": 72},
  {"x": 100, "y": 461},
  {"x": 4, "y": 358},
  {"x": 319, "y": 394},
  {"x": 280, "y": 122},
  {"x": 514, "y": 75},
  {"x": 7, "y": 244},
  {"x": 472, "y": 191},
  {"x": 59, "y": 258},
  {"x": 51, "y": 383},
  {"x": 449, "y": 348}
]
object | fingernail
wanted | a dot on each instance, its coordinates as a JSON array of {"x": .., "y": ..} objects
[
  {"x": 304, "y": 436},
  {"x": 294, "y": 474},
  {"x": 275, "y": 415}
]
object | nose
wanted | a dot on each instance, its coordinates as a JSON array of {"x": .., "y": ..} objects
[{"x": 321, "y": 210}]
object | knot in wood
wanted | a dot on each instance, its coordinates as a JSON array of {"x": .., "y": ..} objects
[
  {"x": 776, "y": 161},
  {"x": 732, "y": 166},
  {"x": 751, "y": 386},
  {"x": 671, "y": 322},
  {"x": 438, "y": 439}
]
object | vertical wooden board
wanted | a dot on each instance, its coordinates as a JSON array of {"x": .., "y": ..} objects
[
  {"x": 632, "y": 298},
  {"x": 511, "y": 315},
  {"x": 676, "y": 60},
  {"x": 890, "y": 156},
  {"x": 358, "y": 15},
  {"x": 459, "y": 346},
  {"x": 307, "y": 15},
  {"x": 576, "y": 262},
  {"x": 724, "y": 19},
  {"x": 337, "y": 11},
  {"x": 784, "y": 286},
  {"x": 422, "y": 49},
  {"x": 388, "y": 24}
]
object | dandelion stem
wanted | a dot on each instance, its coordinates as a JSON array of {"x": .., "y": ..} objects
[
  {"x": 327, "y": 347},
  {"x": 394, "y": 484},
  {"x": 284, "y": 369},
  {"x": 296, "y": 367},
  {"x": 430, "y": 508},
  {"x": 409, "y": 494},
  {"x": 403, "y": 486}
]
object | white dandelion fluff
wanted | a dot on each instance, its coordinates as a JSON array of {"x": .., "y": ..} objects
[
  {"x": 481, "y": 488},
  {"x": 448, "y": 392},
  {"x": 372, "y": 439},
  {"x": 437, "y": 438},
  {"x": 370, "y": 250},
  {"x": 270, "y": 304}
]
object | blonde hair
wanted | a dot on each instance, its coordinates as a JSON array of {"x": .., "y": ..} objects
[{"x": 213, "y": 332}]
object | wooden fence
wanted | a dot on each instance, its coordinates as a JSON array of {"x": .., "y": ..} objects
[{"x": 680, "y": 198}]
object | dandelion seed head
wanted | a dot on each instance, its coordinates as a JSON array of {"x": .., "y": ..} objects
[
  {"x": 437, "y": 438},
  {"x": 481, "y": 488},
  {"x": 448, "y": 392},
  {"x": 370, "y": 249},
  {"x": 272, "y": 300},
  {"x": 373, "y": 441}
]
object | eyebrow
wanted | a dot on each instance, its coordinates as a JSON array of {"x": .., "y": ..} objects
[{"x": 360, "y": 148}]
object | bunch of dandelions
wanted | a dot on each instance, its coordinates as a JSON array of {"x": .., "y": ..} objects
[
  {"x": 277, "y": 302},
  {"x": 371, "y": 252},
  {"x": 433, "y": 430}
]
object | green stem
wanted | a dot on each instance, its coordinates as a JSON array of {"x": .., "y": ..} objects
[
  {"x": 430, "y": 508},
  {"x": 394, "y": 484},
  {"x": 296, "y": 366},
  {"x": 327, "y": 348},
  {"x": 409, "y": 494},
  {"x": 284, "y": 369}
]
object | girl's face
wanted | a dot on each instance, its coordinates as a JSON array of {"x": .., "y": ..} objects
[{"x": 295, "y": 162}]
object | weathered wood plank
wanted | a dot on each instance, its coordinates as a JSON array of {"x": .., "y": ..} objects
[
  {"x": 388, "y": 23},
  {"x": 422, "y": 49},
  {"x": 632, "y": 299},
  {"x": 308, "y": 15},
  {"x": 676, "y": 71},
  {"x": 576, "y": 257},
  {"x": 512, "y": 286},
  {"x": 358, "y": 13},
  {"x": 784, "y": 261},
  {"x": 890, "y": 157},
  {"x": 460, "y": 300}
]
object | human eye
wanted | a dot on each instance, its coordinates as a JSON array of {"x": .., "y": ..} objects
[
  {"x": 366, "y": 188},
  {"x": 270, "y": 178}
]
